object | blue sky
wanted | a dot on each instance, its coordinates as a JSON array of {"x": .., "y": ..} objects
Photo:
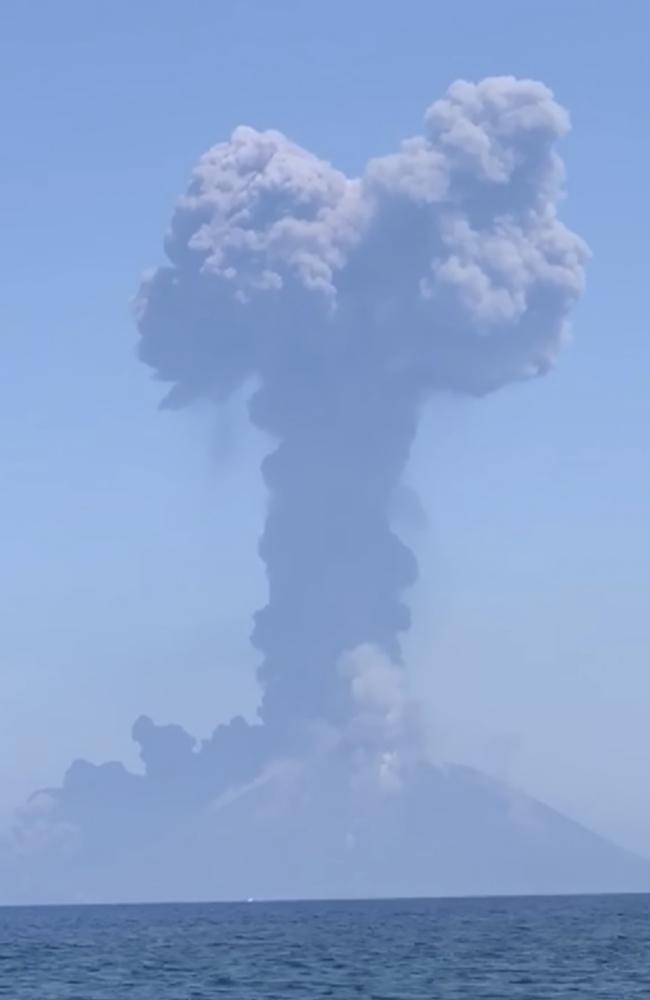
[{"x": 128, "y": 537}]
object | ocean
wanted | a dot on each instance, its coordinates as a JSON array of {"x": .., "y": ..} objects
[{"x": 474, "y": 949}]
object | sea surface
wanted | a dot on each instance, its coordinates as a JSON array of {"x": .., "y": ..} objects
[{"x": 499, "y": 949}]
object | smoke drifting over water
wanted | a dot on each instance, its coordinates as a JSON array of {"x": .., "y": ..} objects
[
  {"x": 346, "y": 303},
  {"x": 443, "y": 267}
]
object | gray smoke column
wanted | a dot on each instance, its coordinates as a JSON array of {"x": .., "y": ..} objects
[{"x": 444, "y": 267}]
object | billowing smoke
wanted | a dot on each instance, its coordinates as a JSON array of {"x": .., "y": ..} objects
[
  {"x": 341, "y": 305},
  {"x": 347, "y": 302}
]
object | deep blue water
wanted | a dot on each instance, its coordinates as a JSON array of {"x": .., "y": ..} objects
[{"x": 449, "y": 949}]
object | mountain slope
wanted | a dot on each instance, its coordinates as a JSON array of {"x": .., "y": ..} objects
[{"x": 312, "y": 829}]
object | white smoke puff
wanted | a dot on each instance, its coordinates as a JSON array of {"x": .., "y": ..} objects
[
  {"x": 376, "y": 684},
  {"x": 385, "y": 728}
]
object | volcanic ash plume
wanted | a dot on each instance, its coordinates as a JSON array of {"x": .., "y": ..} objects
[{"x": 346, "y": 302}]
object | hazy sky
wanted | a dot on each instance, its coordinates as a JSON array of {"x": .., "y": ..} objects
[{"x": 129, "y": 570}]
